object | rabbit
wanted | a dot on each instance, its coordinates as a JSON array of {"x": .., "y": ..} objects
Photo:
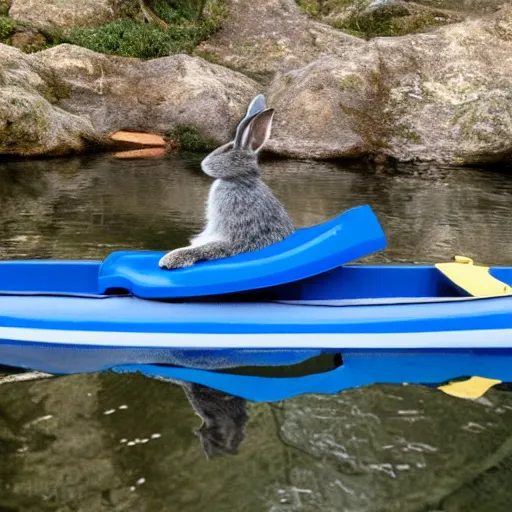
[{"x": 242, "y": 213}]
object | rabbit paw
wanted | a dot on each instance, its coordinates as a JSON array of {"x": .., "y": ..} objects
[{"x": 178, "y": 258}]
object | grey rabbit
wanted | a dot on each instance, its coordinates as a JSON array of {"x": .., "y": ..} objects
[{"x": 242, "y": 213}]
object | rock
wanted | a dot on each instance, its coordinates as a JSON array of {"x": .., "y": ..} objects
[
  {"x": 69, "y": 13},
  {"x": 157, "y": 95},
  {"x": 374, "y": 18},
  {"x": 385, "y": 449},
  {"x": 62, "y": 99},
  {"x": 466, "y": 6},
  {"x": 29, "y": 123},
  {"x": 28, "y": 40},
  {"x": 270, "y": 36},
  {"x": 136, "y": 138},
  {"x": 443, "y": 96}
]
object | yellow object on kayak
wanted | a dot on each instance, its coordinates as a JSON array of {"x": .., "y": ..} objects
[
  {"x": 478, "y": 282},
  {"x": 473, "y": 279}
]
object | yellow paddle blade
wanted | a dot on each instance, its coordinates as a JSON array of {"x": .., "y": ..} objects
[
  {"x": 475, "y": 387},
  {"x": 474, "y": 279},
  {"x": 478, "y": 282}
]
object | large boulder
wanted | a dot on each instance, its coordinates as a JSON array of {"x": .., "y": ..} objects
[
  {"x": 30, "y": 122},
  {"x": 62, "y": 99},
  {"x": 118, "y": 93},
  {"x": 444, "y": 96},
  {"x": 69, "y": 13},
  {"x": 272, "y": 36}
]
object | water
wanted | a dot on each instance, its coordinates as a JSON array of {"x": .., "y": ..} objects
[{"x": 117, "y": 442}]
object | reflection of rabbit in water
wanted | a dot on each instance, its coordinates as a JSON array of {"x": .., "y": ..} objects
[
  {"x": 224, "y": 419},
  {"x": 242, "y": 212}
]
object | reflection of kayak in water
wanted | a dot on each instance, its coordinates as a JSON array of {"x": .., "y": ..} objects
[{"x": 279, "y": 306}]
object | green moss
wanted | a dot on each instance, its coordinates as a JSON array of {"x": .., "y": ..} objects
[
  {"x": 311, "y": 7},
  {"x": 209, "y": 56},
  {"x": 352, "y": 83},
  {"x": 408, "y": 134},
  {"x": 380, "y": 22},
  {"x": 319, "y": 7},
  {"x": 40, "y": 40},
  {"x": 177, "y": 10},
  {"x": 7, "y": 27},
  {"x": 19, "y": 102},
  {"x": 4, "y": 7},
  {"x": 189, "y": 138},
  {"x": 129, "y": 38}
]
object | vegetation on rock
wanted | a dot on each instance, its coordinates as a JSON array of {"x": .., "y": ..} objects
[
  {"x": 4, "y": 7},
  {"x": 26, "y": 37},
  {"x": 131, "y": 38},
  {"x": 179, "y": 25},
  {"x": 189, "y": 138},
  {"x": 362, "y": 19},
  {"x": 7, "y": 27}
]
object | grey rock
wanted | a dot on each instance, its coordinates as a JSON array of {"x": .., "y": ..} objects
[
  {"x": 69, "y": 13},
  {"x": 29, "y": 123},
  {"x": 443, "y": 96},
  {"x": 272, "y": 36},
  {"x": 67, "y": 98}
]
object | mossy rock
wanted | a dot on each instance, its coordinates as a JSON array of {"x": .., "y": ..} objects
[
  {"x": 24, "y": 36},
  {"x": 7, "y": 28},
  {"x": 361, "y": 18},
  {"x": 189, "y": 138},
  {"x": 4, "y": 7}
]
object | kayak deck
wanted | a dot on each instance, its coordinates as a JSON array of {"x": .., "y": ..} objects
[{"x": 80, "y": 278}]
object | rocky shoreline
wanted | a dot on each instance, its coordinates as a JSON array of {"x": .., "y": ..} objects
[{"x": 444, "y": 95}]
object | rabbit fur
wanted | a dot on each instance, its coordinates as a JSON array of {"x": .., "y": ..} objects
[{"x": 242, "y": 213}]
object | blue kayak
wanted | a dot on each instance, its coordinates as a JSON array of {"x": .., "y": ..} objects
[{"x": 280, "y": 306}]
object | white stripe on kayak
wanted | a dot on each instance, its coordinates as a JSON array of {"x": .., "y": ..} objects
[{"x": 494, "y": 338}]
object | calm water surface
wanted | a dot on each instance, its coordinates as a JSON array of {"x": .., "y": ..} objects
[{"x": 125, "y": 443}]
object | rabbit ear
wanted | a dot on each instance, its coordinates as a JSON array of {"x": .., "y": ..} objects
[
  {"x": 257, "y": 132},
  {"x": 257, "y": 105}
]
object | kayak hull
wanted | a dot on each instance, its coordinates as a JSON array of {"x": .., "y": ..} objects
[
  {"x": 278, "y": 308},
  {"x": 65, "y": 326}
]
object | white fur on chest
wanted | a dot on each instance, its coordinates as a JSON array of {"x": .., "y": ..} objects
[{"x": 211, "y": 232}]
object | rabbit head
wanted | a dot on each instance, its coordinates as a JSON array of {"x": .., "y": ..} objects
[{"x": 240, "y": 157}]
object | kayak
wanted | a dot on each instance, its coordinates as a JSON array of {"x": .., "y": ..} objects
[{"x": 281, "y": 306}]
